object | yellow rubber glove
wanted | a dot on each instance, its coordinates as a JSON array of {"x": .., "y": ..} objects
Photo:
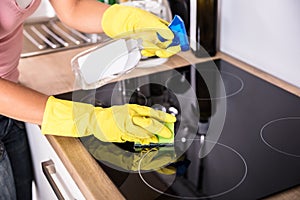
[
  {"x": 120, "y": 21},
  {"x": 122, "y": 123}
]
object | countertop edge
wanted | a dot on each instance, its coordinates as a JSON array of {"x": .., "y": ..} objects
[{"x": 87, "y": 174}]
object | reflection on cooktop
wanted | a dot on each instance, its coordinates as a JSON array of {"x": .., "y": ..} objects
[
  {"x": 195, "y": 179},
  {"x": 255, "y": 156}
]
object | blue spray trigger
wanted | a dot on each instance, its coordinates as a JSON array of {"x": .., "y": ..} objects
[
  {"x": 178, "y": 28},
  {"x": 180, "y": 36}
]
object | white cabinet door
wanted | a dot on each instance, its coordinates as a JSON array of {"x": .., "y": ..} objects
[{"x": 47, "y": 163}]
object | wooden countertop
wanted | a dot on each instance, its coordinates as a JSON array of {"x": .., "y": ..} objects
[{"x": 51, "y": 74}]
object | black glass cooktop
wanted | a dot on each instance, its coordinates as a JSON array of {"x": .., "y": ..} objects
[{"x": 236, "y": 136}]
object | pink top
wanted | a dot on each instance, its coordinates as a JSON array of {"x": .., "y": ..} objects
[{"x": 11, "y": 36}]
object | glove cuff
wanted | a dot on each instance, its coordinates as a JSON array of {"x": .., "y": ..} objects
[
  {"x": 119, "y": 20},
  {"x": 109, "y": 20},
  {"x": 66, "y": 118}
]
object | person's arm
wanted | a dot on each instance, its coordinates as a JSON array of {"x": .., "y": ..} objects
[
  {"x": 83, "y": 15},
  {"x": 72, "y": 119},
  {"x": 21, "y": 103}
]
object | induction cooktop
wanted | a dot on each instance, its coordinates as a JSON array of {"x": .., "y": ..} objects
[{"x": 236, "y": 136}]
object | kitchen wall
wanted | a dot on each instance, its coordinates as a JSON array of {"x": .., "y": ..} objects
[{"x": 263, "y": 33}]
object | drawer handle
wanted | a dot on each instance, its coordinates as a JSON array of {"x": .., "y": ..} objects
[{"x": 50, "y": 171}]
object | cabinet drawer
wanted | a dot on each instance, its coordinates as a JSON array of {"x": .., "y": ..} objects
[{"x": 52, "y": 180}]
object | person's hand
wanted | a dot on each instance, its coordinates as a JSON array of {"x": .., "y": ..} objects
[
  {"x": 120, "y": 21},
  {"x": 122, "y": 123}
]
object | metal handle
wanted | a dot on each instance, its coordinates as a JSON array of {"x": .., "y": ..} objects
[{"x": 49, "y": 170}]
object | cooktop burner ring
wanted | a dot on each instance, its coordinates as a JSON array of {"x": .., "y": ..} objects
[
  {"x": 224, "y": 76},
  {"x": 276, "y": 147},
  {"x": 200, "y": 197},
  {"x": 224, "y": 79},
  {"x": 237, "y": 91}
]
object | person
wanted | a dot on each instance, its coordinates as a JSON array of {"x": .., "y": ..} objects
[{"x": 20, "y": 104}]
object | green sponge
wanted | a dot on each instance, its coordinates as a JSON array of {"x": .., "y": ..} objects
[{"x": 162, "y": 142}]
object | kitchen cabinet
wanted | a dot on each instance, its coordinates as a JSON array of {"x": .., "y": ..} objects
[{"x": 46, "y": 162}]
